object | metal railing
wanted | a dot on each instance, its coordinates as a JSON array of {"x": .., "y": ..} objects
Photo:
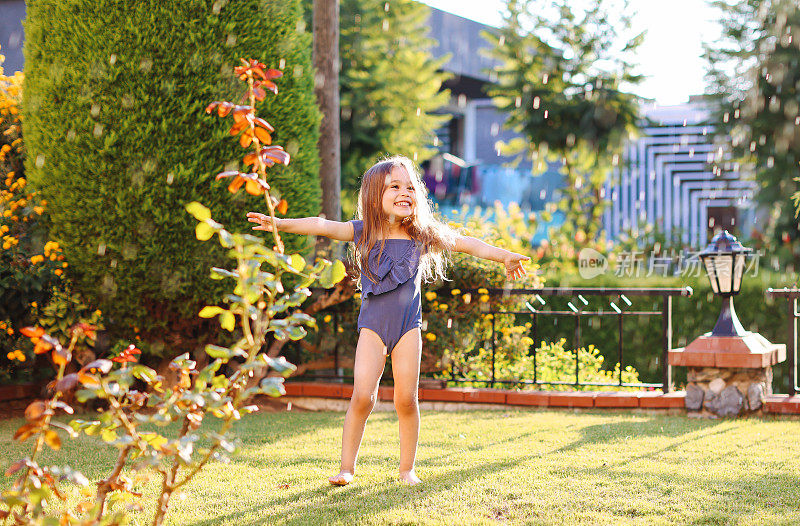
[
  {"x": 791, "y": 346},
  {"x": 535, "y": 307}
]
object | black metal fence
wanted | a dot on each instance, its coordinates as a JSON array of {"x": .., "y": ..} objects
[{"x": 536, "y": 307}]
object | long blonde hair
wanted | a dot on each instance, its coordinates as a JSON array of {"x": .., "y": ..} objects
[{"x": 434, "y": 237}]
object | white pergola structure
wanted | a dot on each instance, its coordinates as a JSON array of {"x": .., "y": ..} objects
[{"x": 665, "y": 179}]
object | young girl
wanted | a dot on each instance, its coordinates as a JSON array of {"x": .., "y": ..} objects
[{"x": 397, "y": 244}]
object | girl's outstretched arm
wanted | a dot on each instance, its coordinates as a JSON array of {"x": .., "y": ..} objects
[
  {"x": 309, "y": 226},
  {"x": 476, "y": 247}
]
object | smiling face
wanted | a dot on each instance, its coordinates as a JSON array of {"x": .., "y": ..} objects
[{"x": 399, "y": 196}]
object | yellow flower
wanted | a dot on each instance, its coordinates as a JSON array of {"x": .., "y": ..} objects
[
  {"x": 58, "y": 272},
  {"x": 10, "y": 355},
  {"x": 484, "y": 298},
  {"x": 34, "y": 304},
  {"x": 467, "y": 297},
  {"x": 430, "y": 337},
  {"x": 64, "y": 264},
  {"x": 357, "y": 295},
  {"x": 327, "y": 318},
  {"x": 7, "y": 213},
  {"x": 38, "y": 209},
  {"x": 38, "y": 258},
  {"x": 430, "y": 296},
  {"x": 10, "y": 331},
  {"x": 489, "y": 316},
  {"x": 98, "y": 312},
  {"x": 443, "y": 306},
  {"x": 455, "y": 292},
  {"x": 483, "y": 291}
]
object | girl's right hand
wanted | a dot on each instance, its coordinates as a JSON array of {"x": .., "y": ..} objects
[{"x": 263, "y": 221}]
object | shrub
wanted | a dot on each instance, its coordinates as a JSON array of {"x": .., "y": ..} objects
[
  {"x": 118, "y": 143},
  {"x": 263, "y": 302}
]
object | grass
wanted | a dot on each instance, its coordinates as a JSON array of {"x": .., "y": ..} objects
[{"x": 512, "y": 467}]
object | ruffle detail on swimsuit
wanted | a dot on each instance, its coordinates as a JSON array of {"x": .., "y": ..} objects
[{"x": 398, "y": 263}]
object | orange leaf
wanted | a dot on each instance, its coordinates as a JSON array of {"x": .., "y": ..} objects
[
  {"x": 260, "y": 73},
  {"x": 282, "y": 207},
  {"x": 224, "y": 108},
  {"x": 246, "y": 138},
  {"x": 52, "y": 439},
  {"x": 35, "y": 411},
  {"x": 263, "y": 136},
  {"x": 253, "y": 188},
  {"x": 88, "y": 380},
  {"x": 238, "y": 127},
  {"x": 270, "y": 86},
  {"x": 250, "y": 158},
  {"x": 26, "y": 431},
  {"x": 16, "y": 466},
  {"x": 32, "y": 332},
  {"x": 235, "y": 185},
  {"x": 42, "y": 347},
  {"x": 274, "y": 73}
]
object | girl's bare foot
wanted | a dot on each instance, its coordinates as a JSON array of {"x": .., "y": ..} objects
[
  {"x": 343, "y": 478},
  {"x": 409, "y": 477}
]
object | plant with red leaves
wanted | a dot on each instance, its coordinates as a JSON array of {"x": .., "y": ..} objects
[
  {"x": 36, "y": 485},
  {"x": 255, "y": 132}
]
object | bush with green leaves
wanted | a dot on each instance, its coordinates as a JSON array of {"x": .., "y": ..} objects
[
  {"x": 118, "y": 143},
  {"x": 269, "y": 287}
]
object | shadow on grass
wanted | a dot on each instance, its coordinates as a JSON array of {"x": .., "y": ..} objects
[{"x": 330, "y": 501}]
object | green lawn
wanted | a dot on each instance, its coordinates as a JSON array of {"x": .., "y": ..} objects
[{"x": 512, "y": 467}]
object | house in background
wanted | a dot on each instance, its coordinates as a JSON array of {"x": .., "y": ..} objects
[
  {"x": 479, "y": 175},
  {"x": 12, "y": 12},
  {"x": 664, "y": 180}
]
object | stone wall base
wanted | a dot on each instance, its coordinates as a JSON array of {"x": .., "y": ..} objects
[{"x": 727, "y": 391}]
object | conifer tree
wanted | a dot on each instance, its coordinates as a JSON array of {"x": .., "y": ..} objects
[
  {"x": 754, "y": 86},
  {"x": 389, "y": 84},
  {"x": 562, "y": 78}
]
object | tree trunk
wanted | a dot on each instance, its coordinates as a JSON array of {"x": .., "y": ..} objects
[{"x": 326, "y": 88}]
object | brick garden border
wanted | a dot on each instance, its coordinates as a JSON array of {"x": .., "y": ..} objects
[{"x": 775, "y": 404}]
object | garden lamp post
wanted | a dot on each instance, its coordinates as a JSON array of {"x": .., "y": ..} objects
[
  {"x": 723, "y": 260},
  {"x": 729, "y": 369}
]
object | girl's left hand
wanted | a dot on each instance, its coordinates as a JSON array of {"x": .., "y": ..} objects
[{"x": 514, "y": 268}]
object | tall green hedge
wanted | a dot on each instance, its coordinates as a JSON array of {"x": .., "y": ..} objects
[{"x": 118, "y": 142}]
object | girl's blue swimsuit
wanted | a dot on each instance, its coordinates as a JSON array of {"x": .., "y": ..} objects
[{"x": 392, "y": 305}]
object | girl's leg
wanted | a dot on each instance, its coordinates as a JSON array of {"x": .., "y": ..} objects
[
  {"x": 369, "y": 363},
  {"x": 405, "y": 367}
]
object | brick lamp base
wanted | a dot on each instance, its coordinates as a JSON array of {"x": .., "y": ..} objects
[{"x": 728, "y": 375}]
